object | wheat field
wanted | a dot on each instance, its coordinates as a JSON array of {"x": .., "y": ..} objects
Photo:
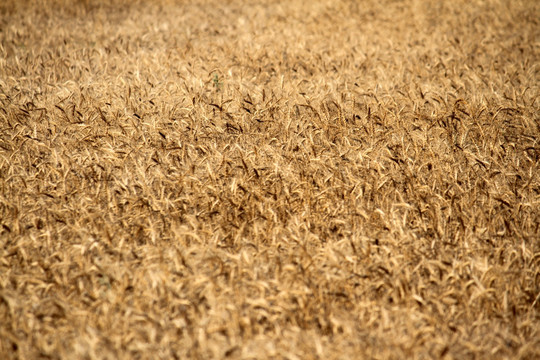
[{"x": 269, "y": 179}]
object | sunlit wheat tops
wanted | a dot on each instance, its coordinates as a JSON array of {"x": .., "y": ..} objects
[{"x": 269, "y": 179}]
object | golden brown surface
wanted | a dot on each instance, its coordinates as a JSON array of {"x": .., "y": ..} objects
[{"x": 263, "y": 179}]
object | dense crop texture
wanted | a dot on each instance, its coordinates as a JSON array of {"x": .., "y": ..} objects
[{"x": 269, "y": 180}]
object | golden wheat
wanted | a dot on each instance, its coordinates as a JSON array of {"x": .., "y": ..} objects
[{"x": 268, "y": 179}]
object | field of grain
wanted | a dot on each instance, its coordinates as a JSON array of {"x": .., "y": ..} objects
[{"x": 269, "y": 179}]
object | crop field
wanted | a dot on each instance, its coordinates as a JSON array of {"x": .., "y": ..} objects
[{"x": 269, "y": 179}]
